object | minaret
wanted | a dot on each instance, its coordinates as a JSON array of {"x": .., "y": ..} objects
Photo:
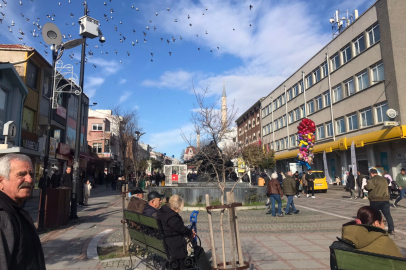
[
  {"x": 224, "y": 106},
  {"x": 198, "y": 140}
]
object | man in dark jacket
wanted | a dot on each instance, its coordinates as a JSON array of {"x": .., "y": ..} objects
[
  {"x": 66, "y": 180},
  {"x": 20, "y": 247},
  {"x": 351, "y": 185},
  {"x": 176, "y": 231},
  {"x": 154, "y": 202},
  {"x": 289, "y": 189},
  {"x": 360, "y": 176},
  {"x": 137, "y": 202},
  {"x": 310, "y": 183},
  {"x": 378, "y": 196}
]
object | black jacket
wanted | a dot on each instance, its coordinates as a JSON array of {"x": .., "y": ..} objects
[
  {"x": 359, "y": 180},
  {"x": 174, "y": 231},
  {"x": 66, "y": 180},
  {"x": 150, "y": 211},
  {"x": 56, "y": 180},
  {"x": 351, "y": 181},
  {"x": 20, "y": 247}
]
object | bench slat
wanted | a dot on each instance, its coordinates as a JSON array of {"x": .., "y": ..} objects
[
  {"x": 132, "y": 216},
  {"x": 148, "y": 221},
  {"x": 351, "y": 260},
  {"x": 154, "y": 243},
  {"x": 136, "y": 235}
]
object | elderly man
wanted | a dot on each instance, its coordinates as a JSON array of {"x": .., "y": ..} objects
[
  {"x": 137, "y": 202},
  {"x": 154, "y": 202},
  {"x": 378, "y": 196},
  {"x": 20, "y": 247},
  {"x": 289, "y": 189}
]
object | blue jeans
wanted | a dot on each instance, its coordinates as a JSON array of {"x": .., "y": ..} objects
[
  {"x": 290, "y": 204},
  {"x": 276, "y": 197},
  {"x": 402, "y": 195}
]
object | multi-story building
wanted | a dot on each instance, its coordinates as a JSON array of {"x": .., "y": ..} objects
[
  {"x": 249, "y": 125},
  {"x": 347, "y": 89}
]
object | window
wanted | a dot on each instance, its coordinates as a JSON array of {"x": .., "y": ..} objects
[
  {"x": 353, "y": 122},
  {"x": 329, "y": 128},
  {"x": 264, "y": 131},
  {"x": 268, "y": 108},
  {"x": 309, "y": 81},
  {"x": 281, "y": 122},
  {"x": 286, "y": 142},
  {"x": 335, "y": 62},
  {"x": 276, "y": 125},
  {"x": 275, "y": 104},
  {"x": 297, "y": 113},
  {"x": 366, "y": 117},
  {"x": 73, "y": 107},
  {"x": 349, "y": 87},
  {"x": 292, "y": 140},
  {"x": 302, "y": 111},
  {"x": 359, "y": 45},
  {"x": 282, "y": 144},
  {"x": 362, "y": 80},
  {"x": 280, "y": 101},
  {"x": 290, "y": 94},
  {"x": 337, "y": 93},
  {"x": 3, "y": 108},
  {"x": 316, "y": 74},
  {"x": 97, "y": 127},
  {"x": 301, "y": 87},
  {"x": 283, "y": 98},
  {"x": 320, "y": 132},
  {"x": 310, "y": 106},
  {"x": 377, "y": 73},
  {"x": 46, "y": 85},
  {"x": 277, "y": 146},
  {"x": 97, "y": 148},
  {"x": 340, "y": 124},
  {"x": 374, "y": 35},
  {"x": 295, "y": 90},
  {"x": 32, "y": 75},
  {"x": 253, "y": 122},
  {"x": 319, "y": 103},
  {"x": 28, "y": 120},
  {"x": 327, "y": 100},
  {"x": 107, "y": 147},
  {"x": 285, "y": 122},
  {"x": 324, "y": 69},
  {"x": 381, "y": 112},
  {"x": 291, "y": 119},
  {"x": 346, "y": 54}
]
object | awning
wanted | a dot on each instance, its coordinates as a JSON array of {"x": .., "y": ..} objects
[
  {"x": 383, "y": 135},
  {"x": 19, "y": 150}
]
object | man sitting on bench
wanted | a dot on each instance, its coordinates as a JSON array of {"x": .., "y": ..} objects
[
  {"x": 154, "y": 202},
  {"x": 137, "y": 202}
]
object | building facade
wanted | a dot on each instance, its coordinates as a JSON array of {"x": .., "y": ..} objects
[
  {"x": 190, "y": 152},
  {"x": 346, "y": 89},
  {"x": 249, "y": 125}
]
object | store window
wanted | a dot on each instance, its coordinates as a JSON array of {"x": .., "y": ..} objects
[
  {"x": 28, "y": 119},
  {"x": 3, "y": 108},
  {"x": 32, "y": 75}
]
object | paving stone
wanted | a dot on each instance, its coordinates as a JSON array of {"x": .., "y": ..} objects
[
  {"x": 275, "y": 265},
  {"x": 293, "y": 255},
  {"x": 306, "y": 264}
]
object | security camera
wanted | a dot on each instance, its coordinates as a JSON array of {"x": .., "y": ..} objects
[
  {"x": 102, "y": 39},
  {"x": 80, "y": 21}
]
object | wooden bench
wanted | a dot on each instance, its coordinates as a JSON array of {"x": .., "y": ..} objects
[
  {"x": 148, "y": 243},
  {"x": 343, "y": 255}
]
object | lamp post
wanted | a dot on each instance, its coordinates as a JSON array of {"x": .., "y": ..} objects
[
  {"x": 137, "y": 138},
  {"x": 52, "y": 36},
  {"x": 89, "y": 28}
]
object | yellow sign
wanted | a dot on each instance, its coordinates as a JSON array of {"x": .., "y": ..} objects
[
  {"x": 329, "y": 150},
  {"x": 359, "y": 144},
  {"x": 342, "y": 143},
  {"x": 241, "y": 165}
]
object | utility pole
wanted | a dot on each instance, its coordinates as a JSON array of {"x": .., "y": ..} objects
[{"x": 74, "y": 199}]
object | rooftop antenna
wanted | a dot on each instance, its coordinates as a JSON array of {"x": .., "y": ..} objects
[{"x": 337, "y": 24}]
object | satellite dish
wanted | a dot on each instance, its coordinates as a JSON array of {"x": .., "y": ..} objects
[
  {"x": 391, "y": 113},
  {"x": 51, "y": 34},
  {"x": 73, "y": 43}
]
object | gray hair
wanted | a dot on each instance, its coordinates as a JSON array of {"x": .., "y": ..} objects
[
  {"x": 5, "y": 163},
  {"x": 176, "y": 203}
]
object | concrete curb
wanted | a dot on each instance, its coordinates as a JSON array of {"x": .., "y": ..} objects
[
  {"x": 107, "y": 245},
  {"x": 91, "y": 252}
]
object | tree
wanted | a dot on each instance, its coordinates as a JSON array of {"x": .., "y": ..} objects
[
  {"x": 256, "y": 156},
  {"x": 156, "y": 164},
  {"x": 127, "y": 124}
]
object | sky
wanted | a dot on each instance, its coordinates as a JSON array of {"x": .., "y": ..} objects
[{"x": 251, "y": 50}]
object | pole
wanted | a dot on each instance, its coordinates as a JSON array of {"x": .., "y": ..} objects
[
  {"x": 41, "y": 218},
  {"x": 73, "y": 206},
  {"x": 304, "y": 94},
  {"x": 331, "y": 99}
]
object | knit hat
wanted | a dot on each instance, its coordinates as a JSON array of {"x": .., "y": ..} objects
[{"x": 274, "y": 176}]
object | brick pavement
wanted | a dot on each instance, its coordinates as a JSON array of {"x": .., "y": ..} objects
[{"x": 292, "y": 242}]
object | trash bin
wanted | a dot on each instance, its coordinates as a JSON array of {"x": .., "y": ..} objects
[{"x": 57, "y": 206}]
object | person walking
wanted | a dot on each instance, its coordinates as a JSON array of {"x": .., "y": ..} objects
[
  {"x": 86, "y": 191},
  {"x": 20, "y": 246},
  {"x": 304, "y": 184},
  {"x": 360, "y": 176},
  {"x": 275, "y": 193},
  {"x": 66, "y": 180},
  {"x": 297, "y": 183},
  {"x": 378, "y": 197},
  {"x": 351, "y": 185},
  {"x": 389, "y": 179},
  {"x": 401, "y": 182},
  {"x": 310, "y": 183},
  {"x": 289, "y": 189}
]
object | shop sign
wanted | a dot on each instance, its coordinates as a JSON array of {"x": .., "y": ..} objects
[
  {"x": 63, "y": 149},
  {"x": 106, "y": 155},
  {"x": 61, "y": 111},
  {"x": 30, "y": 145},
  {"x": 359, "y": 144},
  {"x": 59, "y": 156},
  {"x": 342, "y": 143}
]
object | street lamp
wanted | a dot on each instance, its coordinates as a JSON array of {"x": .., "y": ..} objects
[{"x": 137, "y": 138}]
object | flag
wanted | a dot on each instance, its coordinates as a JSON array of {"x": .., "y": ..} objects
[
  {"x": 259, "y": 142},
  {"x": 267, "y": 147}
]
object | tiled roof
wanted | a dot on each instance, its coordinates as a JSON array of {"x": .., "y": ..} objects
[{"x": 16, "y": 47}]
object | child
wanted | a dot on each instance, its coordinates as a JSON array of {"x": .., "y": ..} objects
[
  {"x": 87, "y": 188},
  {"x": 364, "y": 183}
]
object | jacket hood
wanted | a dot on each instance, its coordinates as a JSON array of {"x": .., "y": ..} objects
[{"x": 362, "y": 235}]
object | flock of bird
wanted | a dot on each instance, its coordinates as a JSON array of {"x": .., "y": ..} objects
[{"x": 37, "y": 28}]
